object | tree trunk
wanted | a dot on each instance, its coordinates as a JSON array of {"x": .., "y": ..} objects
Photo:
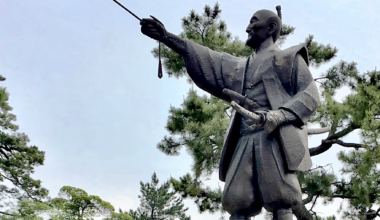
[{"x": 301, "y": 213}]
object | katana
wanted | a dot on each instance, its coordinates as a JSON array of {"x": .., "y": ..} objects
[{"x": 159, "y": 42}]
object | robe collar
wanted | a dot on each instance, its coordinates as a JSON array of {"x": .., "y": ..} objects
[{"x": 271, "y": 48}]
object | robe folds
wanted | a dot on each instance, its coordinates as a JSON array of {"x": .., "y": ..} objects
[{"x": 288, "y": 85}]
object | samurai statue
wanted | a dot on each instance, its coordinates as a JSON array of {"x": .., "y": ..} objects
[{"x": 273, "y": 94}]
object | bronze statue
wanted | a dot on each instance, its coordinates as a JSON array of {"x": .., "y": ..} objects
[{"x": 274, "y": 95}]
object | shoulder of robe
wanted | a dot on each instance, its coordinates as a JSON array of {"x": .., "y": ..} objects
[
  {"x": 233, "y": 59},
  {"x": 284, "y": 63},
  {"x": 232, "y": 68},
  {"x": 287, "y": 56}
]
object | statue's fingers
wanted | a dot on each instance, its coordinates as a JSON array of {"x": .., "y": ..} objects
[
  {"x": 152, "y": 33},
  {"x": 148, "y": 29},
  {"x": 269, "y": 127},
  {"x": 148, "y": 22},
  {"x": 144, "y": 21},
  {"x": 147, "y": 25}
]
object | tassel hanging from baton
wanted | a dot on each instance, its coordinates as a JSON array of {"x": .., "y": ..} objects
[{"x": 159, "y": 42}]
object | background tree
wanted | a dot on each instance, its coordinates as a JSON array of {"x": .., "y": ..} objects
[
  {"x": 157, "y": 202},
  {"x": 200, "y": 123},
  {"x": 119, "y": 216},
  {"x": 28, "y": 210},
  {"x": 17, "y": 160},
  {"x": 75, "y": 203}
]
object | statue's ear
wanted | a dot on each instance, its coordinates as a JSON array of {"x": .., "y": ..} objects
[{"x": 272, "y": 28}]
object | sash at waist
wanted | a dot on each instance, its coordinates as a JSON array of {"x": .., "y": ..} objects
[{"x": 251, "y": 130}]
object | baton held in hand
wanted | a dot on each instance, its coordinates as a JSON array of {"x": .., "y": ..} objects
[{"x": 159, "y": 42}]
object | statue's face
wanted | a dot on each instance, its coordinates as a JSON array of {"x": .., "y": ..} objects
[{"x": 258, "y": 29}]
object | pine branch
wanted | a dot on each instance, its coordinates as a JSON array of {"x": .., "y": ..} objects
[
  {"x": 308, "y": 199},
  {"x": 9, "y": 148},
  {"x": 302, "y": 213},
  {"x": 344, "y": 144},
  {"x": 344, "y": 132},
  {"x": 343, "y": 183},
  {"x": 327, "y": 144},
  {"x": 320, "y": 167},
  {"x": 5, "y": 213},
  {"x": 343, "y": 196},
  {"x": 4, "y": 154},
  {"x": 320, "y": 149},
  {"x": 313, "y": 131},
  {"x": 311, "y": 208},
  {"x": 333, "y": 139},
  {"x": 316, "y": 79},
  {"x": 20, "y": 186}
]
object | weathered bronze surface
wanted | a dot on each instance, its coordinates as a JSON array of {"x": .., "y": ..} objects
[{"x": 261, "y": 153}]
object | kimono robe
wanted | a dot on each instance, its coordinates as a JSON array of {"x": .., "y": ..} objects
[{"x": 259, "y": 168}]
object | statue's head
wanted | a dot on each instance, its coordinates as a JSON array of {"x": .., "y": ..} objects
[{"x": 263, "y": 25}]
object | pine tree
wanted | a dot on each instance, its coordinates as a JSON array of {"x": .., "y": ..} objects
[
  {"x": 157, "y": 202},
  {"x": 75, "y": 203},
  {"x": 119, "y": 216},
  {"x": 17, "y": 160},
  {"x": 27, "y": 210},
  {"x": 200, "y": 123},
  {"x": 72, "y": 204}
]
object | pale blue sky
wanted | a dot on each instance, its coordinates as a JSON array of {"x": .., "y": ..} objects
[{"x": 84, "y": 86}]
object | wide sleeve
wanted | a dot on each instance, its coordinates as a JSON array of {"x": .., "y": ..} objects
[
  {"x": 306, "y": 98},
  {"x": 213, "y": 71}
]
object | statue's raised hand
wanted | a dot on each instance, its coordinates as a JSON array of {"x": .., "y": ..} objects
[{"x": 152, "y": 28}]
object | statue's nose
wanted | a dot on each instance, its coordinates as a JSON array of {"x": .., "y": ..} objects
[{"x": 249, "y": 29}]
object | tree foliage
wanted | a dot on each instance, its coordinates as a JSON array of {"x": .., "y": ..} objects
[
  {"x": 119, "y": 216},
  {"x": 157, "y": 202},
  {"x": 205, "y": 197},
  {"x": 199, "y": 124},
  {"x": 358, "y": 110},
  {"x": 72, "y": 204},
  {"x": 75, "y": 203},
  {"x": 17, "y": 159},
  {"x": 27, "y": 209}
]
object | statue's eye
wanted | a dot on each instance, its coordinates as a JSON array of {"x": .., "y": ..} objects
[{"x": 254, "y": 19}]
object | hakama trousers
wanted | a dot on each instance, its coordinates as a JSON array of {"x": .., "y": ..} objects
[{"x": 257, "y": 177}]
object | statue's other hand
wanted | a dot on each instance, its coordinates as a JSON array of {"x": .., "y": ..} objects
[
  {"x": 152, "y": 28},
  {"x": 273, "y": 120}
]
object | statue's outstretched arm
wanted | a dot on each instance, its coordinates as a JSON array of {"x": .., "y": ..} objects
[{"x": 153, "y": 28}]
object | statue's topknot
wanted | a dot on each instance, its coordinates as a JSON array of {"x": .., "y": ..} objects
[
  {"x": 278, "y": 8},
  {"x": 279, "y": 23}
]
